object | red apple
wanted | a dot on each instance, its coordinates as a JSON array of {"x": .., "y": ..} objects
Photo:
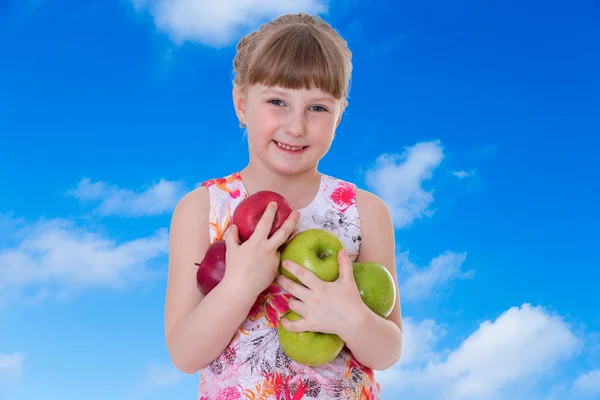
[
  {"x": 249, "y": 211},
  {"x": 212, "y": 268}
]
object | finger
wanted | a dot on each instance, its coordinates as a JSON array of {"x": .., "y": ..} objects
[
  {"x": 304, "y": 275},
  {"x": 345, "y": 266},
  {"x": 297, "y": 306},
  {"x": 231, "y": 237},
  {"x": 296, "y": 290},
  {"x": 299, "y": 325},
  {"x": 263, "y": 228},
  {"x": 286, "y": 229}
]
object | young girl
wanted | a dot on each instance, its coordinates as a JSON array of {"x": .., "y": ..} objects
[{"x": 290, "y": 90}]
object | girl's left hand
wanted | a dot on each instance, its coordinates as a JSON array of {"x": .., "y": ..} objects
[{"x": 327, "y": 307}]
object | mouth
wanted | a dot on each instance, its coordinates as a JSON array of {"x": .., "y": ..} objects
[{"x": 289, "y": 148}]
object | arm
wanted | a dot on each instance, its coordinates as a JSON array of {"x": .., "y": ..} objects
[
  {"x": 197, "y": 328},
  {"x": 377, "y": 342}
]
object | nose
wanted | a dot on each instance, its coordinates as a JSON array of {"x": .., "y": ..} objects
[{"x": 296, "y": 125}]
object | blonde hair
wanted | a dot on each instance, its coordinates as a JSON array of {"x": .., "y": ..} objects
[{"x": 295, "y": 51}]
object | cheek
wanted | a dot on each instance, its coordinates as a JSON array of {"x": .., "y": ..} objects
[
  {"x": 264, "y": 119},
  {"x": 324, "y": 130},
  {"x": 258, "y": 138},
  {"x": 260, "y": 133}
]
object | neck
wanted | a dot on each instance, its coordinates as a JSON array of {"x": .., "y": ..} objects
[{"x": 298, "y": 189}]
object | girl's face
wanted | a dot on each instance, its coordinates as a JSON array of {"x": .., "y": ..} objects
[{"x": 289, "y": 130}]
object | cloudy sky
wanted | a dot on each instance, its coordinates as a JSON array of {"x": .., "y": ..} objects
[{"x": 477, "y": 124}]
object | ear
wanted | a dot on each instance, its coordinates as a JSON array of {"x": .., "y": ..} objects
[{"x": 239, "y": 102}]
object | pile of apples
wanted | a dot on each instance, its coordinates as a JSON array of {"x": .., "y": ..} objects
[{"x": 314, "y": 249}]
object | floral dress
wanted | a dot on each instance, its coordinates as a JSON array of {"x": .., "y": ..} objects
[{"x": 253, "y": 366}]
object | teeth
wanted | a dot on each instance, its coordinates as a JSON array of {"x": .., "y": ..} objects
[{"x": 285, "y": 146}]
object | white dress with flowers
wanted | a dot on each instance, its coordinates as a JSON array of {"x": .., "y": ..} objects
[{"x": 253, "y": 366}]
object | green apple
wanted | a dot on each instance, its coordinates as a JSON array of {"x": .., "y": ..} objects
[
  {"x": 376, "y": 286},
  {"x": 314, "y": 249},
  {"x": 308, "y": 348}
]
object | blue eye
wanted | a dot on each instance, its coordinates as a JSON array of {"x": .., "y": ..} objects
[
  {"x": 276, "y": 102},
  {"x": 320, "y": 108}
]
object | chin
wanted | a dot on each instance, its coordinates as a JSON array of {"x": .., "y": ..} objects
[
  {"x": 290, "y": 170},
  {"x": 290, "y": 164}
]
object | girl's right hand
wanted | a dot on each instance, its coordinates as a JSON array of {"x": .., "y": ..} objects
[{"x": 253, "y": 265}]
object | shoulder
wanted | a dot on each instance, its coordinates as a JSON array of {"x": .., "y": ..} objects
[
  {"x": 373, "y": 210},
  {"x": 198, "y": 199},
  {"x": 368, "y": 200},
  {"x": 192, "y": 207},
  {"x": 193, "y": 199}
]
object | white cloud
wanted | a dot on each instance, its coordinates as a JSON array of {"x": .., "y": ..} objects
[
  {"x": 8, "y": 225},
  {"x": 153, "y": 200},
  {"x": 418, "y": 349},
  {"x": 521, "y": 347},
  {"x": 463, "y": 174},
  {"x": 419, "y": 341},
  {"x": 398, "y": 180},
  {"x": 522, "y": 343},
  {"x": 219, "y": 23},
  {"x": 11, "y": 366},
  {"x": 417, "y": 283},
  {"x": 56, "y": 257},
  {"x": 162, "y": 375},
  {"x": 588, "y": 384}
]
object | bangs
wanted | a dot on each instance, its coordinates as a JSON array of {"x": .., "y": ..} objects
[{"x": 300, "y": 58}]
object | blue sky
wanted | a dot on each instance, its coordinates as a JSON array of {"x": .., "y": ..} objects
[{"x": 477, "y": 123}]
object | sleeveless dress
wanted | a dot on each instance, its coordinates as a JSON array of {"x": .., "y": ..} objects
[{"x": 253, "y": 366}]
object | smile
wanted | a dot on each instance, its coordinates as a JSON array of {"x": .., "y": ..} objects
[{"x": 288, "y": 147}]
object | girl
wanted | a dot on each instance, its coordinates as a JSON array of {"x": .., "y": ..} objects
[{"x": 289, "y": 92}]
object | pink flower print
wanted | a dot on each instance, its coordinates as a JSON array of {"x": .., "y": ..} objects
[
  {"x": 343, "y": 196},
  {"x": 272, "y": 303},
  {"x": 229, "y": 393},
  {"x": 275, "y": 307},
  {"x": 298, "y": 394},
  {"x": 353, "y": 363},
  {"x": 367, "y": 393}
]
